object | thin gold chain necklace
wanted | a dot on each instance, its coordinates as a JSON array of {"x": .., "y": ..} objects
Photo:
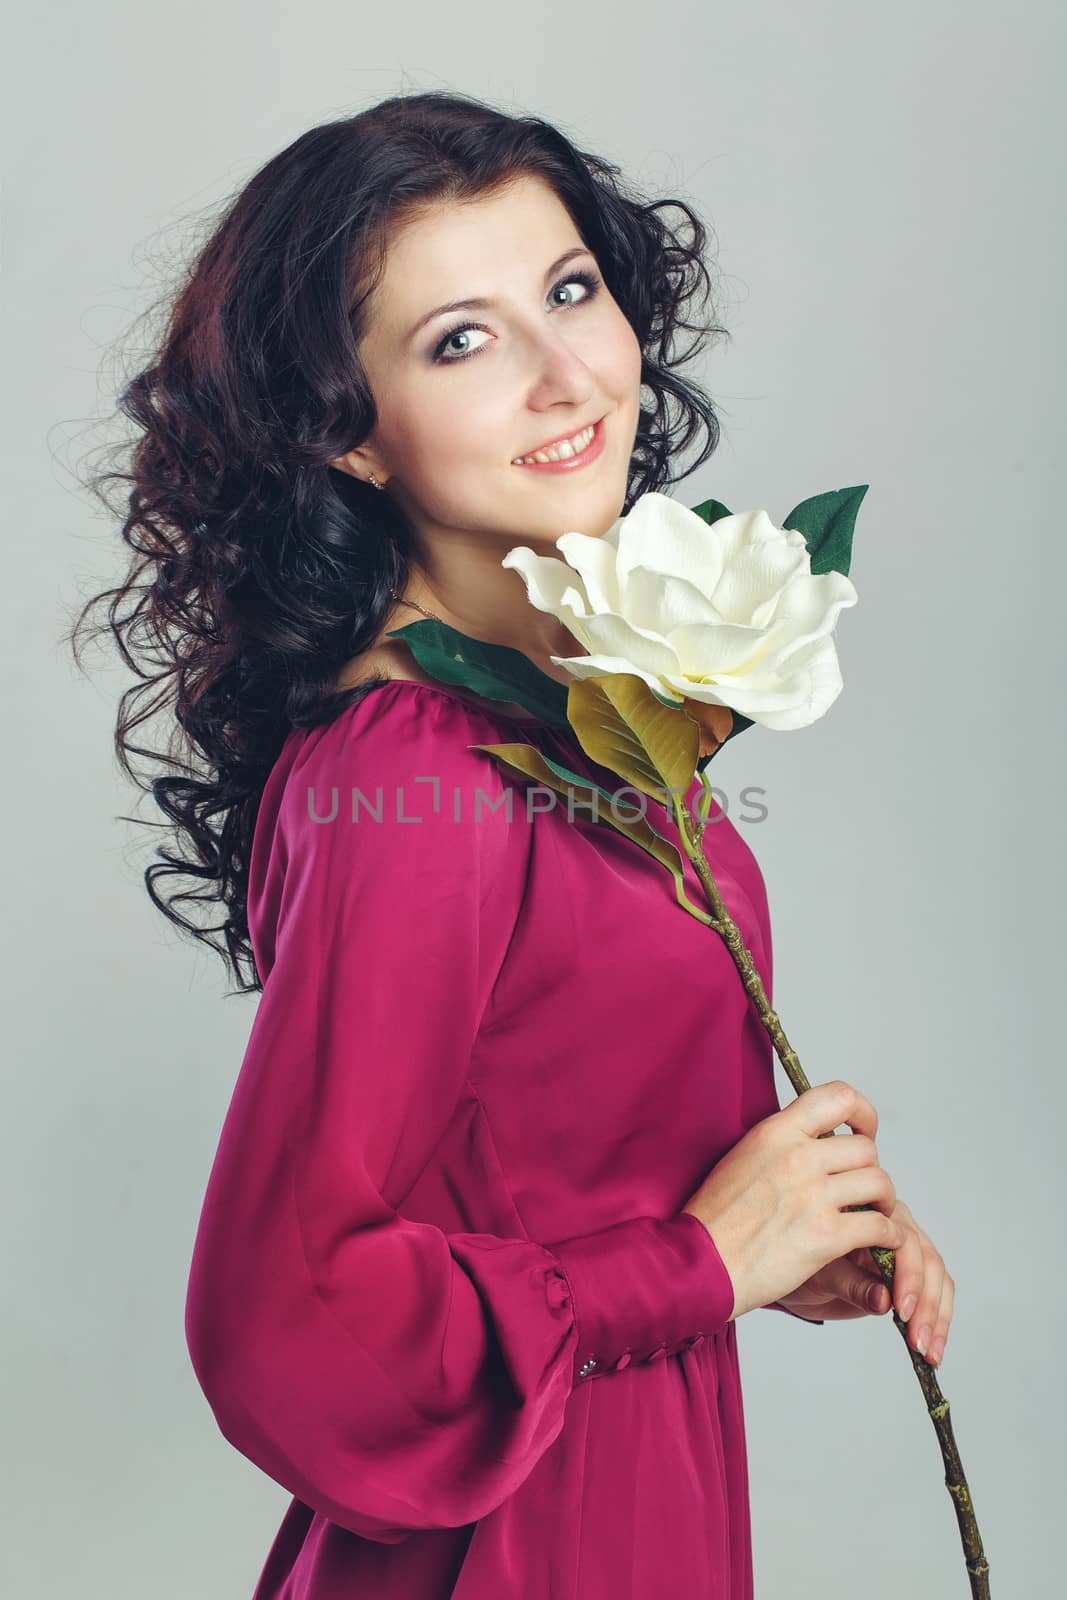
[{"x": 432, "y": 616}]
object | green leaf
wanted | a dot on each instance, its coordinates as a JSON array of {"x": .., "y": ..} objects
[
  {"x": 711, "y": 510},
  {"x": 623, "y": 725},
  {"x": 530, "y": 762},
  {"x": 827, "y": 522},
  {"x": 494, "y": 670}
]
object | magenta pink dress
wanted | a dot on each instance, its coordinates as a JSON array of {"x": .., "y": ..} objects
[{"x": 442, "y": 1291}]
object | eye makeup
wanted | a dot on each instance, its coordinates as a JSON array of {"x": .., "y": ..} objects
[{"x": 590, "y": 281}]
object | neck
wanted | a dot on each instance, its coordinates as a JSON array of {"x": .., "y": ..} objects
[{"x": 491, "y": 605}]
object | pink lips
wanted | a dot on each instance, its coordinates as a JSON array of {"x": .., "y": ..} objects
[{"x": 572, "y": 463}]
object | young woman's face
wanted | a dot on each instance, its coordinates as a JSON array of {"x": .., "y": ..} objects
[{"x": 550, "y": 355}]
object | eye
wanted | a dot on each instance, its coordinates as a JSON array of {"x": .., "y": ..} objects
[{"x": 588, "y": 280}]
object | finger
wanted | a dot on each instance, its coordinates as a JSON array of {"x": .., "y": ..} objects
[
  {"x": 847, "y": 1152},
  {"x": 855, "y": 1282},
  {"x": 849, "y": 1283},
  {"x": 825, "y": 1106},
  {"x": 909, "y": 1274},
  {"x": 870, "y": 1229},
  {"x": 870, "y": 1289},
  {"x": 924, "y": 1318},
  {"x": 864, "y": 1186},
  {"x": 871, "y": 1293},
  {"x": 944, "y": 1317}
]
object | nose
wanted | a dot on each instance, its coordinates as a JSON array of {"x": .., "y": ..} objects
[{"x": 561, "y": 376}]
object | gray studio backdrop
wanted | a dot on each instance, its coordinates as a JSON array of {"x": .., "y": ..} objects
[{"x": 883, "y": 189}]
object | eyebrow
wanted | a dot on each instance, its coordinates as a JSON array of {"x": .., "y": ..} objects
[{"x": 484, "y": 305}]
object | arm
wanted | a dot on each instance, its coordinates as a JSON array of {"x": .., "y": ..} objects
[{"x": 390, "y": 1374}]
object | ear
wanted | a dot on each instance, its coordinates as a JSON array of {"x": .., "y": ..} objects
[{"x": 360, "y": 463}]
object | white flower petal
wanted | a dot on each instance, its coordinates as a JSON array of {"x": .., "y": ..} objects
[
  {"x": 614, "y": 636},
  {"x": 816, "y": 689},
  {"x": 547, "y": 579},
  {"x": 706, "y": 650},
  {"x": 809, "y": 607},
  {"x": 668, "y": 538},
  {"x": 597, "y": 666},
  {"x": 594, "y": 559},
  {"x": 573, "y": 601},
  {"x": 791, "y": 702},
  {"x": 664, "y": 604},
  {"x": 757, "y": 573}
]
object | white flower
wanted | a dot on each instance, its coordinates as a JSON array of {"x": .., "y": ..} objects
[{"x": 727, "y": 614}]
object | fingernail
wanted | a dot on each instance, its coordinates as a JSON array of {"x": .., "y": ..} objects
[
  {"x": 923, "y": 1340},
  {"x": 937, "y": 1352},
  {"x": 908, "y": 1307}
]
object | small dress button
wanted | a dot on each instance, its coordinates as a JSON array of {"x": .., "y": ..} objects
[
  {"x": 693, "y": 1343},
  {"x": 623, "y": 1362},
  {"x": 658, "y": 1353}
]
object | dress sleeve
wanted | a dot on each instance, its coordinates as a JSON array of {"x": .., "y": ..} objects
[{"x": 390, "y": 1374}]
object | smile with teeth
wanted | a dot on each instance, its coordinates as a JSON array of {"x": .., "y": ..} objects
[{"x": 561, "y": 450}]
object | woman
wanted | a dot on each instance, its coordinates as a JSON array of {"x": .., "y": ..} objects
[{"x": 481, "y": 1220}]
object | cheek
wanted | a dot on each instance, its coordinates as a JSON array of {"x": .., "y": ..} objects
[
  {"x": 442, "y": 451},
  {"x": 423, "y": 436},
  {"x": 634, "y": 360},
  {"x": 621, "y": 364}
]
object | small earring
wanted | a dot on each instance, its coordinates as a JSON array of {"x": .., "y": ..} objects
[{"x": 375, "y": 482}]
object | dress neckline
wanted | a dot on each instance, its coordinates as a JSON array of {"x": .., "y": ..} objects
[{"x": 485, "y": 705}]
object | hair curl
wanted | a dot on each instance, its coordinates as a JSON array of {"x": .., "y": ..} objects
[{"x": 257, "y": 569}]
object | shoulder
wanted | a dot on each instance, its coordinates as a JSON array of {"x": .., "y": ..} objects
[
  {"x": 391, "y": 661},
  {"x": 400, "y": 772},
  {"x": 389, "y": 804},
  {"x": 395, "y": 722}
]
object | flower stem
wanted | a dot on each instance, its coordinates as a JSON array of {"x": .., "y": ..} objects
[{"x": 691, "y": 833}]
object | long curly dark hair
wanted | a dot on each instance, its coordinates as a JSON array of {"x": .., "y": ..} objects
[{"x": 258, "y": 569}]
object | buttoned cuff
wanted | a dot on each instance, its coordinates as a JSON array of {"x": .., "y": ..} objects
[{"x": 643, "y": 1289}]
